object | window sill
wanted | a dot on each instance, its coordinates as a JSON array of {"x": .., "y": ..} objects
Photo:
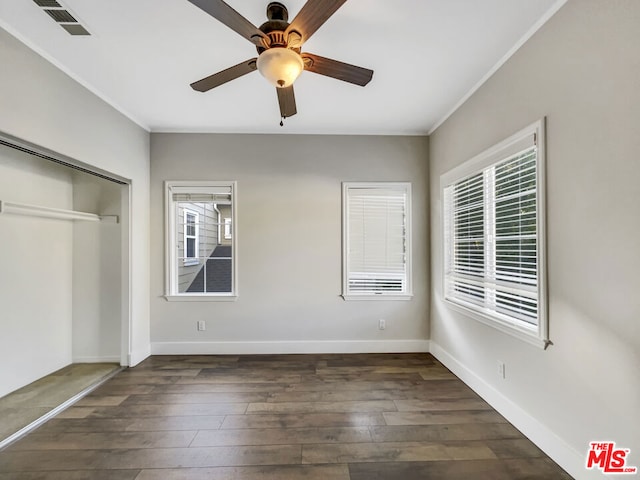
[
  {"x": 200, "y": 298},
  {"x": 376, "y": 297},
  {"x": 530, "y": 336}
]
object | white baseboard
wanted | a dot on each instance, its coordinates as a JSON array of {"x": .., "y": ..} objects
[
  {"x": 548, "y": 441},
  {"x": 105, "y": 359},
  {"x": 137, "y": 356},
  {"x": 282, "y": 347}
]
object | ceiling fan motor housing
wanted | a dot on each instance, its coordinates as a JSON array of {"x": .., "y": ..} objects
[{"x": 275, "y": 27}]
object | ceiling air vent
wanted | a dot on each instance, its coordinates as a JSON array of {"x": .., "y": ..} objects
[
  {"x": 62, "y": 17},
  {"x": 48, "y": 3},
  {"x": 74, "y": 29}
]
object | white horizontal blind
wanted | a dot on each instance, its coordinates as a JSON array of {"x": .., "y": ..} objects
[
  {"x": 515, "y": 245},
  {"x": 468, "y": 265},
  {"x": 491, "y": 254},
  {"x": 376, "y": 250},
  {"x": 201, "y": 193},
  {"x": 202, "y": 197}
]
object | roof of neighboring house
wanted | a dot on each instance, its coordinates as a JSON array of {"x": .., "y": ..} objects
[{"x": 215, "y": 274}]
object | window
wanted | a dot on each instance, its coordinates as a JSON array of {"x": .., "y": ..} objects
[
  {"x": 201, "y": 263},
  {"x": 376, "y": 241},
  {"x": 494, "y": 236},
  {"x": 191, "y": 227},
  {"x": 227, "y": 228}
]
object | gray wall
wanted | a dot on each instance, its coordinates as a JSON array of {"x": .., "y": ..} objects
[
  {"x": 289, "y": 243},
  {"x": 581, "y": 71},
  {"x": 42, "y": 105}
]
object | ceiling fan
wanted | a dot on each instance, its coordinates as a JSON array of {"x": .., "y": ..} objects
[{"x": 279, "y": 43}]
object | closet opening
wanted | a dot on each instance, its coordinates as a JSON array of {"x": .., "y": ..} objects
[{"x": 64, "y": 276}]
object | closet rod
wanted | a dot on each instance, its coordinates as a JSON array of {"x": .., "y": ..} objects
[{"x": 38, "y": 211}]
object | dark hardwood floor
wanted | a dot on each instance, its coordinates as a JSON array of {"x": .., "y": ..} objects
[{"x": 280, "y": 417}]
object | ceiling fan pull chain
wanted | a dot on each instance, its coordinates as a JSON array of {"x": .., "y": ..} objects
[{"x": 282, "y": 121}]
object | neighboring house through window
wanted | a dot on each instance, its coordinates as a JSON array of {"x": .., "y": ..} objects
[
  {"x": 227, "y": 228},
  {"x": 493, "y": 212},
  {"x": 201, "y": 263},
  {"x": 376, "y": 241},
  {"x": 191, "y": 243}
]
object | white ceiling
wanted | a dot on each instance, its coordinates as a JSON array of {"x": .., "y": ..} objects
[{"x": 428, "y": 56}]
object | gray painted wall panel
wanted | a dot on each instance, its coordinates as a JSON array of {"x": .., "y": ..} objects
[
  {"x": 289, "y": 236},
  {"x": 581, "y": 71}
]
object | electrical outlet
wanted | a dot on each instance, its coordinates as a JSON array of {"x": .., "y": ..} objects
[
  {"x": 202, "y": 326},
  {"x": 502, "y": 372},
  {"x": 382, "y": 324}
]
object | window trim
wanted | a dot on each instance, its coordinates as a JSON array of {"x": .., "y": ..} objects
[
  {"x": 170, "y": 243},
  {"x": 188, "y": 261},
  {"x": 536, "y": 335},
  {"x": 381, "y": 296}
]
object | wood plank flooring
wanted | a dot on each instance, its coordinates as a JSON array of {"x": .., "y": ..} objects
[{"x": 280, "y": 417}]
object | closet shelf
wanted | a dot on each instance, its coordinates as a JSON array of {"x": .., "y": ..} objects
[{"x": 57, "y": 213}]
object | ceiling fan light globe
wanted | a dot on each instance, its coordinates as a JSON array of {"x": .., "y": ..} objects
[{"x": 280, "y": 66}]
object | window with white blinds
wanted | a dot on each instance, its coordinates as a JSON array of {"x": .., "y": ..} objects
[
  {"x": 376, "y": 240},
  {"x": 494, "y": 235}
]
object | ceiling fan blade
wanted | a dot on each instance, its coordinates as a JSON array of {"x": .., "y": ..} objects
[
  {"x": 335, "y": 69},
  {"x": 287, "y": 102},
  {"x": 224, "y": 76},
  {"x": 312, "y": 15},
  {"x": 232, "y": 19}
]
